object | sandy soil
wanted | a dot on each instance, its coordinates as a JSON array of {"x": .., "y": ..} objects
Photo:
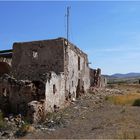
[{"x": 93, "y": 117}]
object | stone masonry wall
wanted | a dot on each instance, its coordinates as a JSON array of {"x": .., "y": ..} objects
[
  {"x": 31, "y": 60},
  {"x": 95, "y": 77}
]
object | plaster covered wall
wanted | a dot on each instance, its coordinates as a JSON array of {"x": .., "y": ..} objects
[
  {"x": 31, "y": 60},
  {"x": 55, "y": 91},
  {"x": 77, "y": 77}
]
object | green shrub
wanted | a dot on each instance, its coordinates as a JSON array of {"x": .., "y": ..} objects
[
  {"x": 2, "y": 122},
  {"x": 23, "y": 130},
  {"x": 136, "y": 102}
]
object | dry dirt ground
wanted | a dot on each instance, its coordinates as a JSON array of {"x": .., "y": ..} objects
[{"x": 93, "y": 117}]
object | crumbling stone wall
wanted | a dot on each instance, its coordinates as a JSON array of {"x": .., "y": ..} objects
[
  {"x": 76, "y": 71},
  {"x": 36, "y": 111},
  {"x": 55, "y": 91},
  {"x": 15, "y": 95},
  {"x": 31, "y": 60},
  {"x": 103, "y": 81},
  {"x": 95, "y": 77}
]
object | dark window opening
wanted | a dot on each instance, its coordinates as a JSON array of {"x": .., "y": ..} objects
[
  {"x": 69, "y": 95},
  {"x": 54, "y": 89},
  {"x": 78, "y": 63},
  {"x": 78, "y": 89},
  {"x": 56, "y": 108},
  {"x": 72, "y": 83}
]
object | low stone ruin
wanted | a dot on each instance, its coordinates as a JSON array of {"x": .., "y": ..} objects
[{"x": 17, "y": 96}]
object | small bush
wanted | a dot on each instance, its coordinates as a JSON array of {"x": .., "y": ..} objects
[
  {"x": 23, "y": 130},
  {"x": 136, "y": 102},
  {"x": 106, "y": 98},
  {"x": 3, "y": 125}
]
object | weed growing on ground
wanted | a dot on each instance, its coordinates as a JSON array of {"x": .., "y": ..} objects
[
  {"x": 127, "y": 135},
  {"x": 3, "y": 125},
  {"x": 24, "y": 129},
  {"x": 130, "y": 99},
  {"x": 136, "y": 102}
]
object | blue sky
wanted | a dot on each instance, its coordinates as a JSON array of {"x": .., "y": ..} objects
[{"x": 109, "y": 32}]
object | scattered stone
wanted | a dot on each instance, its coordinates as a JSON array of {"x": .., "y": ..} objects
[
  {"x": 83, "y": 117},
  {"x": 6, "y": 119},
  {"x": 4, "y": 134},
  {"x": 73, "y": 99}
]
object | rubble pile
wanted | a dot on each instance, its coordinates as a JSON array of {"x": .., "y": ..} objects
[
  {"x": 36, "y": 111},
  {"x": 17, "y": 96},
  {"x": 9, "y": 126}
]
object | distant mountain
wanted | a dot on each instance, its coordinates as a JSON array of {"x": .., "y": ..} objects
[{"x": 128, "y": 75}]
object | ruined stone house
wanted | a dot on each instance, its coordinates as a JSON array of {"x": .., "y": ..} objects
[
  {"x": 96, "y": 79},
  {"x": 43, "y": 74}
]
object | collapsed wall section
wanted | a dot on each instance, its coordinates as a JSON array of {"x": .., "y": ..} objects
[
  {"x": 96, "y": 79},
  {"x": 15, "y": 95}
]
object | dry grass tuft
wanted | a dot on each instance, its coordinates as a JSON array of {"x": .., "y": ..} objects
[
  {"x": 130, "y": 99},
  {"x": 127, "y": 135}
]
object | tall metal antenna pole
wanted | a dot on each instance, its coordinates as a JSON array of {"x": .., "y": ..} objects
[{"x": 68, "y": 8}]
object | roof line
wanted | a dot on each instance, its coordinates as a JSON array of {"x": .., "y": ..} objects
[{"x": 6, "y": 51}]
